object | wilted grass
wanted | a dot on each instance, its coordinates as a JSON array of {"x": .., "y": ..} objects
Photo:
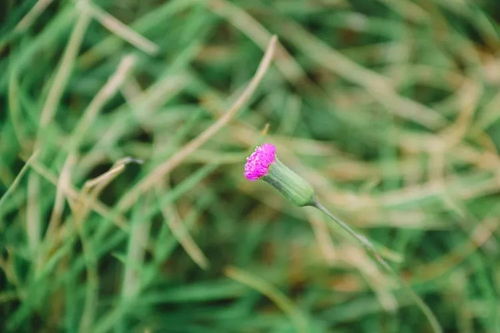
[{"x": 123, "y": 135}]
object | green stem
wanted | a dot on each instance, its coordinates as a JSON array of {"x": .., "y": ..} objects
[{"x": 370, "y": 248}]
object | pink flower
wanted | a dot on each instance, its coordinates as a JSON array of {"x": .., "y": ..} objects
[{"x": 258, "y": 163}]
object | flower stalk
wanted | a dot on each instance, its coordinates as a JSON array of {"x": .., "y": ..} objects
[
  {"x": 372, "y": 251},
  {"x": 263, "y": 164}
]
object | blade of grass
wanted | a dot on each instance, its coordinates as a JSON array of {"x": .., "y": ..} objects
[
  {"x": 121, "y": 30},
  {"x": 160, "y": 171},
  {"x": 370, "y": 248},
  {"x": 298, "y": 319}
]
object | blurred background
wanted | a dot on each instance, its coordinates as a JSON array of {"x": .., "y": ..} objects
[{"x": 123, "y": 207}]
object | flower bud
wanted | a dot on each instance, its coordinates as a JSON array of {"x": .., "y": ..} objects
[{"x": 263, "y": 164}]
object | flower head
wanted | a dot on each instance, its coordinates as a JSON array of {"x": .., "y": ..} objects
[
  {"x": 258, "y": 163},
  {"x": 263, "y": 164}
]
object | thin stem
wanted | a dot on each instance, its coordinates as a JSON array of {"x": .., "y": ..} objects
[{"x": 370, "y": 248}]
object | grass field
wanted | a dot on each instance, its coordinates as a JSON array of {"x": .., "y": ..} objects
[{"x": 124, "y": 127}]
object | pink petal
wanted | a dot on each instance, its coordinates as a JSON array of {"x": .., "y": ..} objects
[{"x": 258, "y": 163}]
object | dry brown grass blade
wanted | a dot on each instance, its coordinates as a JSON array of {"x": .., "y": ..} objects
[
  {"x": 73, "y": 194},
  {"x": 163, "y": 169},
  {"x": 63, "y": 183},
  {"x": 32, "y": 15},
  {"x": 97, "y": 184},
  {"x": 121, "y": 30},
  {"x": 103, "y": 95},
  {"x": 479, "y": 237},
  {"x": 16, "y": 181},
  {"x": 378, "y": 86},
  {"x": 322, "y": 234},
  {"x": 93, "y": 187},
  {"x": 136, "y": 253},
  {"x": 181, "y": 233},
  {"x": 148, "y": 102},
  {"x": 33, "y": 216},
  {"x": 64, "y": 70},
  {"x": 290, "y": 69}
]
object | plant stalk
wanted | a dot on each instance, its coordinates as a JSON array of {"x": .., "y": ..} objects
[{"x": 370, "y": 248}]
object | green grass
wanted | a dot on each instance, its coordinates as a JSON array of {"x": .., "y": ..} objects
[{"x": 123, "y": 133}]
